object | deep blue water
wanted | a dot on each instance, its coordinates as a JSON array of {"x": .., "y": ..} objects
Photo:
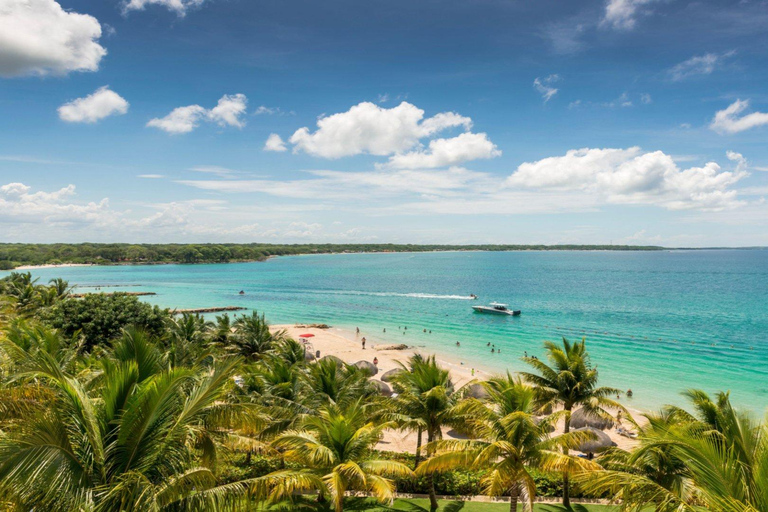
[{"x": 655, "y": 322}]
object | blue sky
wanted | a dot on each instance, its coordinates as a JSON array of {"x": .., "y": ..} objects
[{"x": 623, "y": 121}]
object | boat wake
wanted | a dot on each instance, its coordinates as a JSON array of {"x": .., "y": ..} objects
[{"x": 394, "y": 294}]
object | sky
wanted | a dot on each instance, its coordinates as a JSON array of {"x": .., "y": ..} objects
[{"x": 430, "y": 121}]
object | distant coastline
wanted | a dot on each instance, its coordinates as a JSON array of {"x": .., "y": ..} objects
[{"x": 32, "y": 256}]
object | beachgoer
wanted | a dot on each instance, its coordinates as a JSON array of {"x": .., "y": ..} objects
[
  {"x": 488, "y": 344},
  {"x": 376, "y": 361},
  {"x": 385, "y": 329},
  {"x": 425, "y": 330},
  {"x": 493, "y": 351},
  {"x": 458, "y": 344},
  {"x": 363, "y": 340},
  {"x": 526, "y": 353},
  {"x": 473, "y": 372},
  {"x": 357, "y": 329},
  {"x": 629, "y": 393},
  {"x": 430, "y": 332}
]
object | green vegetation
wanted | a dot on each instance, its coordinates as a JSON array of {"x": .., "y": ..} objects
[
  {"x": 14, "y": 255},
  {"x": 109, "y": 405}
]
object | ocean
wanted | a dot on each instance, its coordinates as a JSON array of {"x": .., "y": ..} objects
[{"x": 655, "y": 322}]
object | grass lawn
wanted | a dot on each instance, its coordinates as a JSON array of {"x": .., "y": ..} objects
[{"x": 419, "y": 505}]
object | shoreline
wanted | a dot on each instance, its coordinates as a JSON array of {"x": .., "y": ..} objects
[{"x": 346, "y": 345}]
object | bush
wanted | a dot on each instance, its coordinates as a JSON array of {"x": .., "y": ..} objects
[{"x": 101, "y": 317}]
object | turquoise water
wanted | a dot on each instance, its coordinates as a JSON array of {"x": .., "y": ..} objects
[{"x": 655, "y": 322}]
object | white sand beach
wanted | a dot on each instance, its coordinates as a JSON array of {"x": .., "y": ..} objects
[
  {"x": 53, "y": 265},
  {"x": 347, "y": 346}
]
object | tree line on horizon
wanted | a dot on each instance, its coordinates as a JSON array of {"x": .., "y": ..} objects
[
  {"x": 13, "y": 255},
  {"x": 108, "y": 403}
]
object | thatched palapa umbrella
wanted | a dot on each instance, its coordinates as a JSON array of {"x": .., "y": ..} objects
[
  {"x": 390, "y": 375},
  {"x": 599, "y": 443},
  {"x": 581, "y": 418},
  {"x": 367, "y": 367}
]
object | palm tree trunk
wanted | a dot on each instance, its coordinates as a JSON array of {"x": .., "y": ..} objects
[
  {"x": 417, "y": 459},
  {"x": 514, "y": 493},
  {"x": 566, "y": 484},
  {"x": 432, "y": 495}
]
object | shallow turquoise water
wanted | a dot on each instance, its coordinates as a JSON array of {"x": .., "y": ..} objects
[{"x": 655, "y": 322}]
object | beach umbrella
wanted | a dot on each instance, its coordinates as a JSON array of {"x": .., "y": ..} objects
[
  {"x": 305, "y": 336},
  {"x": 367, "y": 367},
  {"x": 599, "y": 443},
  {"x": 581, "y": 418},
  {"x": 390, "y": 375},
  {"x": 478, "y": 391},
  {"x": 332, "y": 358},
  {"x": 383, "y": 387}
]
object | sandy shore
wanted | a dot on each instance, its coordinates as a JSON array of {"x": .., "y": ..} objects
[
  {"x": 53, "y": 265},
  {"x": 347, "y": 346}
]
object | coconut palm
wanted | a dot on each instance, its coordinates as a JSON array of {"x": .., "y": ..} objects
[
  {"x": 652, "y": 474},
  {"x": 253, "y": 337},
  {"x": 507, "y": 441},
  {"x": 186, "y": 340},
  {"x": 127, "y": 444},
  {"x": 569, "y": 381},
  {"x": 330, "y": 381},
  {"x": 334, "y": 450},
  {"x": 425, "y": 403},
  {"x": 723, "y": 453}
]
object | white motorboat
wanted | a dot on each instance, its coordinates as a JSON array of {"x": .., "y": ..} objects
[{"x": 496, "y": 308}]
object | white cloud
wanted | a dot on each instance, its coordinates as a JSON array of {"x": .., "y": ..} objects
[
  {"x": 38, "y": 37},
  {"x": 622, "y": 14},
  {"x": 274, "y": 143},
  {"x": 229, "y": 109},
  {"x": 180, "y": 7},
  {"x": 646, "y": 99},
  {"x": 621, "y": 101},
  {"x": 447, "y": 152},
  {"x": 698, "y": 65},
  {"x": 19, "y": 205},
  {"x": 544, "y": 86},
  {"x": 94, "y": 107},
  {"x": 369, "y": 128},
  {"x": 151, "y": 176},
  {"x": 221, "y": 172},
  {"x": 227, "y": 112},
  {"x": 728, "y": 120},
  {"x": 630, "y": 176}
]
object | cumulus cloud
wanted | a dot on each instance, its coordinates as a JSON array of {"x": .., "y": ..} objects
[
  {"x": 544, "y": 86},
  {"x": 698, "y": 65},
  {"x": 227, "y": 112},
  {"x": 447, "y": 152},
  {"x": 19, "y": 204},
  {"x": 729, "y": 120},
  {"x": 38, "y": 37},
  {"x": 180, "y": 7},
  {"x": 94, "y": 107},
  {"x": 630, "y": 176},
  {"x": 369, "y": 128},
  {"x": 274, "y": 143},
  {"x": 622, "y": 14}
]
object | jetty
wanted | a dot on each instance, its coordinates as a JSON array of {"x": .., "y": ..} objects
[
  {"x": 134, "y": 294},
  {"x": 207, "y": 310}
]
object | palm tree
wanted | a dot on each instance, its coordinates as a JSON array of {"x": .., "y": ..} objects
[
  {"x": 425, "y": 403},
  {"x": 507, "y": 441},
  {"x": 569, "y": 381},
  {"x": 334, "y": 450},
  {"x": 186, "y": 340},
  {"x": 330, "y": 381},
  {"x": 723, "y": 453},
  {"x": 253, "y": 338},
  {"x": 651, "y": 474},
  {"x": 126, "y": 444}
]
